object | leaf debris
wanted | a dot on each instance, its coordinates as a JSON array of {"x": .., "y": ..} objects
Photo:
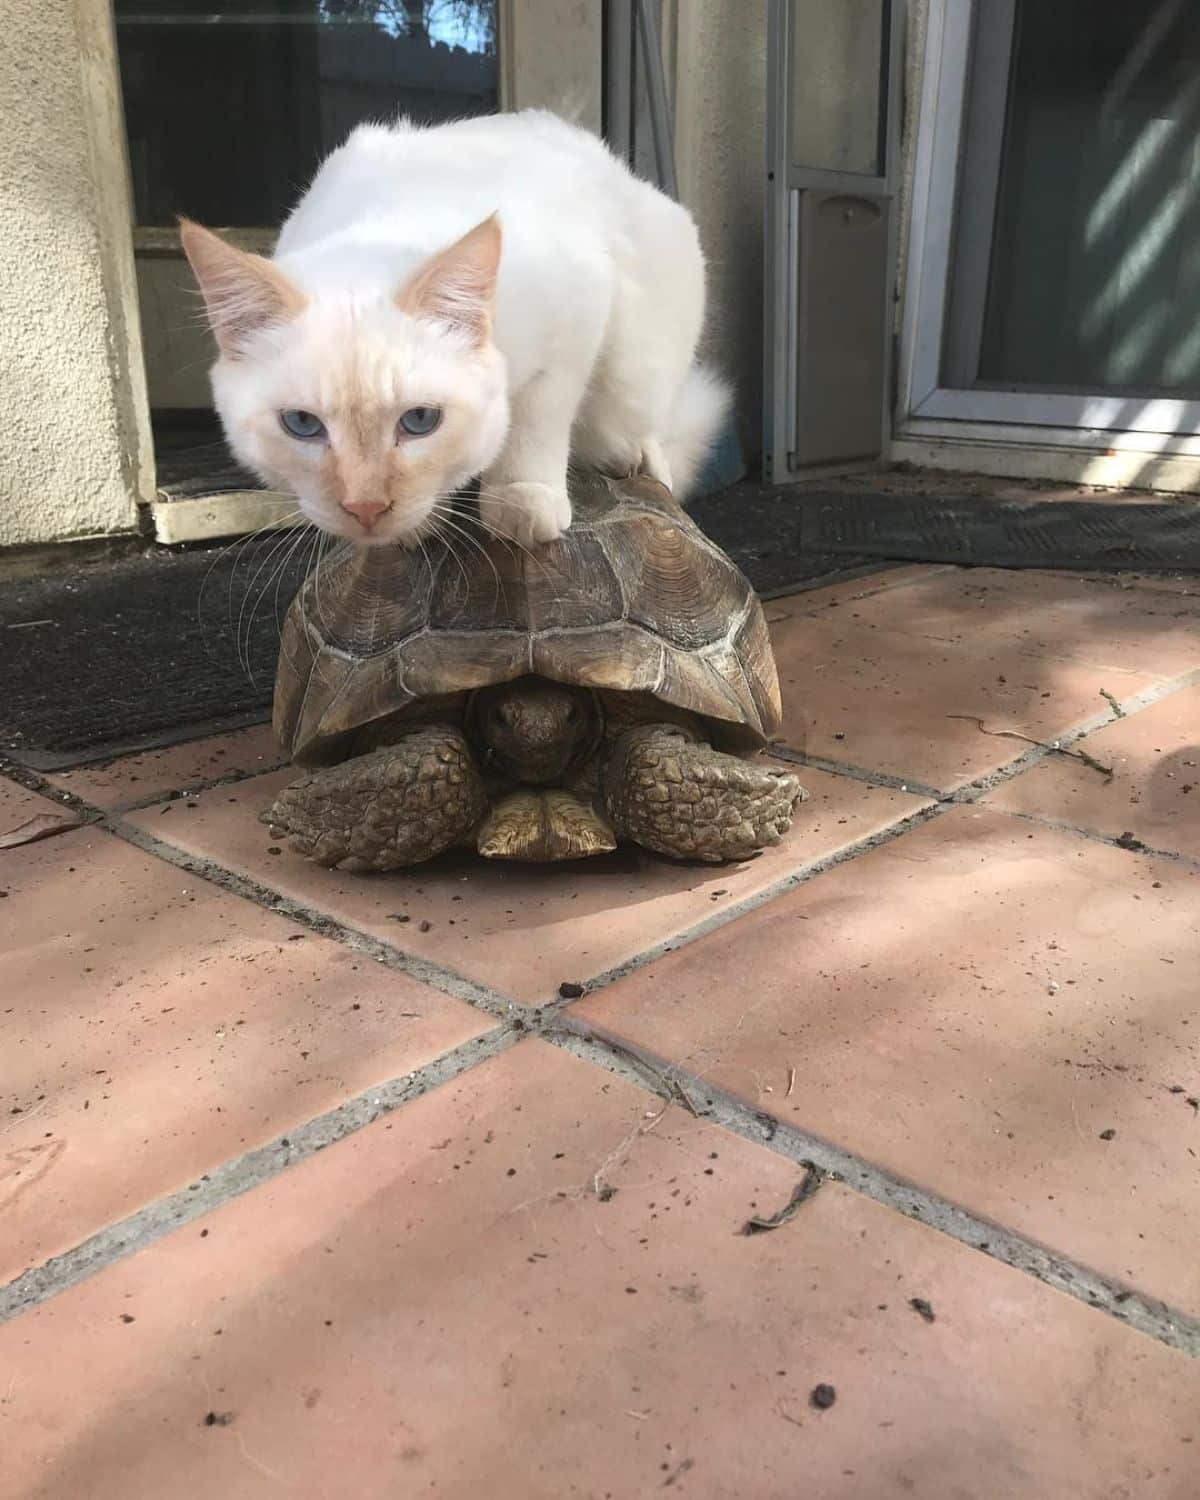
[{"x": 811, "y": 1181}]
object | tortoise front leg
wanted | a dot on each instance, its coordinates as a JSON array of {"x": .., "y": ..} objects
[
  {"x": 395, "y": 806},
  {"x": 680, "y": 797}
]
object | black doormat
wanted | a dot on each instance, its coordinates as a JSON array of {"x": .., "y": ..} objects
[
  {"x": 151, "y": 649},
  {"x": 107, "y": 658},
  {"x": 146, "y": 650},
  {"x": 761, "y": 528},
  {"x": 1079, "y": 534}
]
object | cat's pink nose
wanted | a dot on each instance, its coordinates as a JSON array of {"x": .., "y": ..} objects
[{"x": 366, "y": 512}]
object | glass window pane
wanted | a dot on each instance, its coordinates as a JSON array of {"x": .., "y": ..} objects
[
  {"x": 837, "y": 62},
  {"x": 1095, "y": 267},
  {"x": 230, "y": 104}
]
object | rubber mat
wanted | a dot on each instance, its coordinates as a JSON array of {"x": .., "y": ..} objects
[
  {"x": 107, "y": 658},
  {"x": 155, "y": 648},
  {"x": 761, "y": 529},
  {"x": 141, "y": 651},
  {"x": 1079, "y": 534}
]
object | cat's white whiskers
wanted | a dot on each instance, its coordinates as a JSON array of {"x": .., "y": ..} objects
[
  {"x": 282, "y": 545},
  {"x": 240, "y": 546},
  {"x": 445, "y": 521},
  {"x": 302, "y": 537}
]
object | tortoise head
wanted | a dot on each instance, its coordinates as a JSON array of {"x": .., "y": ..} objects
[{"x": 534, "y": 730}]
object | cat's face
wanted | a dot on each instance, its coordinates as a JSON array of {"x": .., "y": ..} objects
[{"x": 372, "y": 413}]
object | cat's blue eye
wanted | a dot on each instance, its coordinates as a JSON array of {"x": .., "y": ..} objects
[
  {"x": 302, "y": 424},
  {"x": 420, "y": 421}
]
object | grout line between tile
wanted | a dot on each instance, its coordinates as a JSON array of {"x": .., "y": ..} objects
[
  {"x": 967, "y": 795},
  {"x": 194, "y": 788},
  {"x": 35, "y": 781},
  {"x": 852, "y": 772},
  {"x": 242, "y": 1173},
  {"x": 1131, "y": 706},
  {"x": 427, "y": 970},
  {"x": 971, "y": 791},
  {"x": 942, "y": 802},
  {"x": 1093, "y": 835},
  {"x": 718, "y": 919},
  {"x": 1147, "y": 1315}
]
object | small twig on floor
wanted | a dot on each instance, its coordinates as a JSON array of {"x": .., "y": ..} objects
[
  {"x": 1088, "y": 760},
  {"x": 1015, "y": 734},
  {"x": 813, "y": 1178},
  {"x": 671, "y": 1087},
  {"x": 787, "y": 1416},
  {"x": 1118, "y": 711},
  {"x": 41, "y": 826},
  {"x": 791, "y": 1083}
]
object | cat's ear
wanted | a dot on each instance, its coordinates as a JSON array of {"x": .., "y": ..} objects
[
  {"x": 243, "y": 293},
  {"x": 458, "y": 285}
]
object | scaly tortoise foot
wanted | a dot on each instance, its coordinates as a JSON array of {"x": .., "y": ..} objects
[
  {"x": 396, "y": 806},
  {"x": 680, "y": 797}
]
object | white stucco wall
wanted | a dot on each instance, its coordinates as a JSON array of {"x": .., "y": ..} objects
[
  {"x": 719, "y": 73},
  {"x": 71, "y": 454}
]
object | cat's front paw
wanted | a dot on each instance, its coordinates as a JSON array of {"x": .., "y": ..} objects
[{"x": 525, "y": 513}]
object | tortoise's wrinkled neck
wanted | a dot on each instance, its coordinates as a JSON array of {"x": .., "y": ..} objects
[{"x": 536, "y": 731}]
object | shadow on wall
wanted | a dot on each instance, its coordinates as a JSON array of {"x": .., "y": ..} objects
[{"x": 717, "y": 55}]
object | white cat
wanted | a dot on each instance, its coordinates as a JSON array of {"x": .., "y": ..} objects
[{"x": 492, "y": 298}]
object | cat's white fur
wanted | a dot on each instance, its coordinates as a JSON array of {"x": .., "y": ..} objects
[{"x": 562, "y": 329}]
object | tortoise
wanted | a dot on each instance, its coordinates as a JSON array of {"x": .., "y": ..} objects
[{"x": 538, "y": 704}]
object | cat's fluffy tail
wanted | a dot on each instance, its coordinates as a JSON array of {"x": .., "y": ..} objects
[{"x": 701, "y": 408}]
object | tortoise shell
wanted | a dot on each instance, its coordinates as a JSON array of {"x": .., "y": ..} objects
[{"x": 634, "y": 598}]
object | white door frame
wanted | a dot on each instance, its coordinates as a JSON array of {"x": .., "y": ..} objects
[{"x": 928, "y": 408}]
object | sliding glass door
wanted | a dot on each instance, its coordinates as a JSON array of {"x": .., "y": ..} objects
[{"x": 1057, "y": 259}]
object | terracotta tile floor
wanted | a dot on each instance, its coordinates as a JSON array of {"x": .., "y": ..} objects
[
  {"x": 520, "y": 1267},
  {"x": 176, "y": 769},
  {"x": 522, "y": 931}
]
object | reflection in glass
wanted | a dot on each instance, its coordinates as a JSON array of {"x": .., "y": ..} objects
[
  {"x": 1095, "y": 271},
  {"x": 229, "y": 107},
  {"x": 837, "y": 49}
]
